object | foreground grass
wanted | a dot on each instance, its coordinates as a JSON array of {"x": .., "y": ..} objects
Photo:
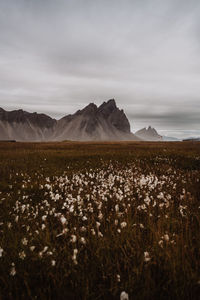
[{"x": 90, "y": 220}]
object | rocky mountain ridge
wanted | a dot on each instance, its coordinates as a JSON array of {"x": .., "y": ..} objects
[
  {"x": 148, "y": 134},
  {"x": 106, "y": 122}
]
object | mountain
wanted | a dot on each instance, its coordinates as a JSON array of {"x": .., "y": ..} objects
[
  {"x": 192, "y": 139},
  {"x": 169, "y": 139},
  {"x": 103, "y": 123},
  {"x": 21, "y": 125},
  {"x": 148, "y": 134}
]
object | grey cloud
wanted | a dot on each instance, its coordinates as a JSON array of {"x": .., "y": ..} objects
[{"x": 56, "y": 56}]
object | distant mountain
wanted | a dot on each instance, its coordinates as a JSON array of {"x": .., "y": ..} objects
[
  {"x": 169, "y": 139},
  {"x": 148, "y": 134},
  {"x": 103, "y": 123},
  {"x": 192, "y": 139}
]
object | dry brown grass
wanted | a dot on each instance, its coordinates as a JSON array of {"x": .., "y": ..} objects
[{"x": 145, "y": 197}]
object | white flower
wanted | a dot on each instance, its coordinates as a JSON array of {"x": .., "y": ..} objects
[
  {"x": 100, "y": 216},
  {"x": 43, "y": 226},
  {"x": 74, "y": 257},
  {"x": 9, "y": 225},
  {"x": 48, "y": 186},
  {"x": 45, "y": 249},
  {"x": 118, "y": 278},
  {"x": 98, "y": 225},
  {"x": 124, "y": 296},
  {"x": 12, "y": 270},
  {"x": 73, "y": 238},
  {"x": 22, "y": 255},
  {"x": 161, "y": 205},
  {"x": 24, "y": 241},
  {"x": 75, "y": 251},
  {"x": 147, "y": 200},
  {"x": 93, "y": 231},
  {"x": 1, "y": 252},
  {"x": 82, "y": 240},
  {"x": 166, "y": 237},
  {"x": 44, "y": 218},
  {"x": 117, "y": 208},
  {"x": 182, "y": 210},
  {"x": 63, "y": 220},
  {"x": 71, "y": 209},
  {"x": 83, "y": 229},
  {"x": 100, "y": 234},
  {"x": 146, "y": 256},
  {"x": 123, "y": 224},
  {"x": 143, "y": 207},
  {"x": 154, "y": 203},
  {"x": 32, "y": 248},
  {"x": 53, "y": 263},
  {"x": 57, "y": 196}
]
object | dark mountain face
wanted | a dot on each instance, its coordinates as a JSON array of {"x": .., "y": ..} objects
[
  {"x": 148, "y": 134},
  {"x": 20, "y": 116},
  {"x": 106, "y": 122},
  {"x": 115, "y": 116},
  {"x": 192, "y": 139},
  {"x": 23, "y": 126}
]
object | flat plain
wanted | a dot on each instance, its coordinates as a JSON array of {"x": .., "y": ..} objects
[{"x": 91, "y": 220}]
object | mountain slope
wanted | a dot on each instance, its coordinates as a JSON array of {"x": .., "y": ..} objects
[
  {"x": 103, "y": 123},
  {"x": 23, "y": 126}
]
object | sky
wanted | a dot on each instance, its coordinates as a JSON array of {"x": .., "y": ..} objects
[{"x": 57, "y": 56}]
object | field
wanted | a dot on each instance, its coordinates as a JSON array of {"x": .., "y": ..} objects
[{"x": 91, "y": 220}]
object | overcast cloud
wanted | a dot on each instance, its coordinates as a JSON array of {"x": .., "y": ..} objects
[{"x": 56, "y": 56}]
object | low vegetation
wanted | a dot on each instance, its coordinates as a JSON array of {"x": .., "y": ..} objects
[{"x": 91, "y": 220}]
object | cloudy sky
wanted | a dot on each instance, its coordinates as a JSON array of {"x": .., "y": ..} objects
[{"x": 56, "y": 56}]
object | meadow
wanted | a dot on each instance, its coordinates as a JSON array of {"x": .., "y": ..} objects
[{"x": 94, "y": 220}]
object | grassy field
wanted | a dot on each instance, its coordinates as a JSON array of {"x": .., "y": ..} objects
[{"x": 91, "y": 220}]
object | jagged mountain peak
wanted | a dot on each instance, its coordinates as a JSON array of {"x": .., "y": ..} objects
[
  {"x": 151, "y": 129},
  {"x": 105, "y": 107},
  {"x": 90, "y": 108},
  {"x": 106, "y": 122},
  {"x": 148, "y": 134},
  {"x": 110, "y": 105}
]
